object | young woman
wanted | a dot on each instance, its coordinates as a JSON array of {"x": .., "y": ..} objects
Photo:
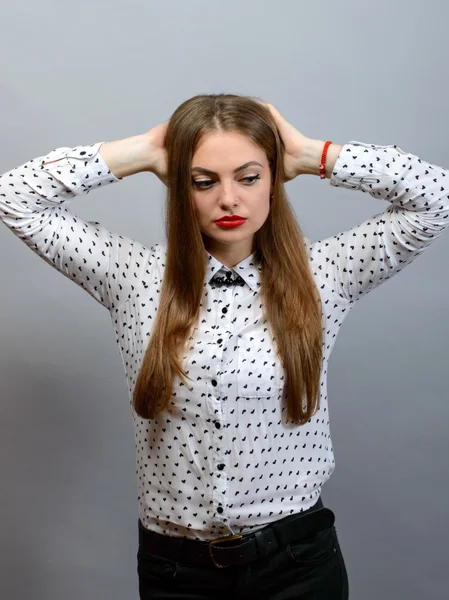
[{"x": 226, "y": 331}]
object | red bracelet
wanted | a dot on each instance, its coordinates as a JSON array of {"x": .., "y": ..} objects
[{"x": 323, "y": 160}]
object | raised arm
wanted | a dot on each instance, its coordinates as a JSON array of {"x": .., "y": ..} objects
[
  {"x": 34, "y": 206},
  {"x": 356, "y": 261}
]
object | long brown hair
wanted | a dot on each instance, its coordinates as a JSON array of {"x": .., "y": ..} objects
[{"x": 289, "y": 294}]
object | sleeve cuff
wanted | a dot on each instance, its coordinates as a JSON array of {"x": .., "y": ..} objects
[{"x": 80, "y": 169}]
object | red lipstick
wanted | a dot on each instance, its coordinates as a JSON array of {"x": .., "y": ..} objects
[{"x": 233, "y": 221}]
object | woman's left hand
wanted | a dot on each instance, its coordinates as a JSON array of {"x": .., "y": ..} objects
[{"x": 294, "y": 141}]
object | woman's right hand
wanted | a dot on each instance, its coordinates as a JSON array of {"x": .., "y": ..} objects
[{"x": 158, "y": 153}]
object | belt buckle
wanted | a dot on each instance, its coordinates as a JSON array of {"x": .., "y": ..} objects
[{"x": 227, "y": 538}]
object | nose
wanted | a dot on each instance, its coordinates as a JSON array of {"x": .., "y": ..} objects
[{"x": 228, "y": 195}]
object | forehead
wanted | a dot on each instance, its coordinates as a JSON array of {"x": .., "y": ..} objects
[{"x": 230, "y": 148}]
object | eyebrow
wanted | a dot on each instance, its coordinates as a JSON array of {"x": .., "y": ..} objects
[{"x": 208, "y": 172}]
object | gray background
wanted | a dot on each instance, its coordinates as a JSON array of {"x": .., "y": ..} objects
[{"x": 86, "y": 71}]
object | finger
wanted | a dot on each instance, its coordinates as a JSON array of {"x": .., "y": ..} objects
[
  {"x": 282, "y": 124},
  {"x": 280, "y": 121}
]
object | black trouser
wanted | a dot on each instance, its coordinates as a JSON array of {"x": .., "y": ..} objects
[{"x": 311, "y": 569}]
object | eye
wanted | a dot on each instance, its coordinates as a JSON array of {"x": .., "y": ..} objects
[
  {"x": 206, "y": 183},
  {"x": 202, "y": 184},
  {"x": 251, "y": 179}
]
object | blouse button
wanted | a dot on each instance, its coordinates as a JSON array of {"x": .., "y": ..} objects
[
  {"x": 217, "y": 425},
  {"x": 224, "y": 310},
  {"x": 220, "y": 509},
  {"x": 220, "y": 341},
  {"x": 220, "y": 467},
  {"x": 214, "y": 382}
]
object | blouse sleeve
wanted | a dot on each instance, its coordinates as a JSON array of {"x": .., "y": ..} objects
[
  {"x": 34, "y": 201},
  {"x": 356, "y": 261}
]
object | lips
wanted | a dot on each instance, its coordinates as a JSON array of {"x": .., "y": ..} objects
[{"x": 230, "y": 219}]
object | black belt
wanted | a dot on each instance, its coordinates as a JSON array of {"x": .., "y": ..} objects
[{"x": 238, "y": 549}]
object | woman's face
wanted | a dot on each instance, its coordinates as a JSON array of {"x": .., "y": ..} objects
[{"x": 221, "y": 187}]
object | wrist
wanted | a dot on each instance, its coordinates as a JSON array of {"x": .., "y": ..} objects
[
  {"x": 128, "y": 156},
  {"x": 310, "y": 159}
]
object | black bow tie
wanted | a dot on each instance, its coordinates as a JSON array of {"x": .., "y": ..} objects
[{"x": 231, "y": 278}]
